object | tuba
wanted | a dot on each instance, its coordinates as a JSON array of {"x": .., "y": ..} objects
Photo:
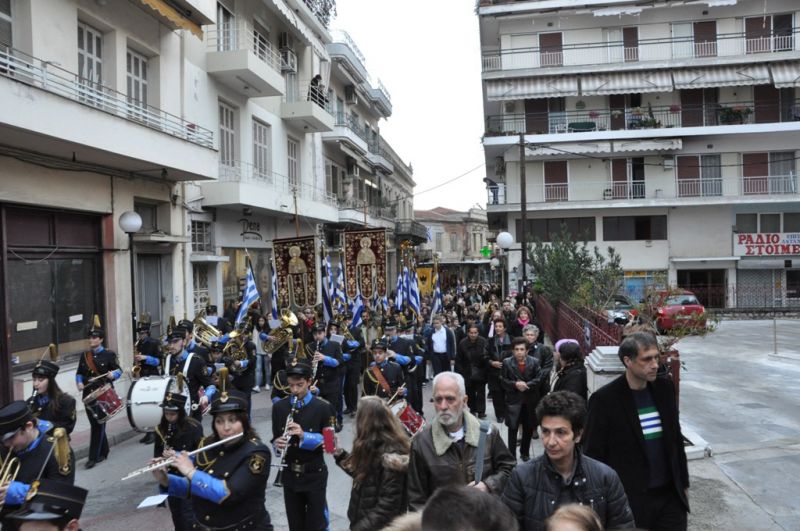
[
  {"x": 280, "y": 337},
  {"x": 9, "y": 468},
  {"x": 203, "y": 332}
]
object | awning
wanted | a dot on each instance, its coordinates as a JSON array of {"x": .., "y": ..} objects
[
  {"x": 707, "y": 259},
  {"x": 625, "y": 83},
  {"x": 785, "y": 75},
  {"x": 660, "y": 144},
  {"x": 531, "y": 87},
  {"x": 564, "y": 149},
  {"x": 360, "y": 162},
  {"x": 723, "y": 76},
  {"x": 171, "y": 15},
  {"x": 308, "y": 35}
]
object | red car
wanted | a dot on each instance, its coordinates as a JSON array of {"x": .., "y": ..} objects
[{"x": 676, "y": 309}]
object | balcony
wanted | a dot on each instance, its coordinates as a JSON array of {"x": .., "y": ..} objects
[
  {"x": 241, "y": 183},
  {"x": 649, "y": 117},
  {"x": 726, "y": 48},
  {"x": 381, "y": 98},
  {"x": 357, "y": 212},
  {"x": 651, "y": 192},
  {"x": 408, "y": 229},
  {"x": 379, "y": 157},
  {"x": 307, "y": 108},
  {"x": 49, "y": 109},
  {"x": 345, "y": 51},
  {"x": 244, "y": 60},
  {"x": 347, "y": 129}
]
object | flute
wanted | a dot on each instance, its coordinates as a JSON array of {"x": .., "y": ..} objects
[{"x": 167, "y": 462}]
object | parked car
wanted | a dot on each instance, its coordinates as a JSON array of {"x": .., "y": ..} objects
[
  {"x": 620, "y": 309},
  {"x": 677, "y": 309}
]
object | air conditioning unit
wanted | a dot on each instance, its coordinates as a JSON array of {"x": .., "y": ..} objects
[
  {"x": 510, "y": 106},
  {"x": 288, "y": 60},
  {"x": 350, "y": 95},
  {"x": 352, "y": 168},
  {"x": 285, "y": 40}
]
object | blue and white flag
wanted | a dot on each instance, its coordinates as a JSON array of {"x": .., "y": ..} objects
[
  {"x": 438, "y": 302},
  {"x": 413, "y": 292},
  {"x": 339, "y": 297},
  {"x": 429, "y": 233},
  {"x": 250, "y": 295},
  {"x": 358, "y": 309},
  {"x": 327, "y": 309},
  {"x": 274, "y": 294},
  {"x": 400, "y": 290}
]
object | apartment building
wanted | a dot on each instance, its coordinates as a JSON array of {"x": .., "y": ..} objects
[
  {"x": 456, "y": 238},
  {"x": 668, "y": 130}
]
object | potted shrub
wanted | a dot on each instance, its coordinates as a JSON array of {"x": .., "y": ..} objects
[{"x": 736, "y": 114}]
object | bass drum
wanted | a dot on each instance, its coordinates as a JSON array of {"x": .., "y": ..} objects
[{"x": 144, "y": 401}]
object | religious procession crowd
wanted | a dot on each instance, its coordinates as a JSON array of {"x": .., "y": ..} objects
[{"x": 617, "y": 463}]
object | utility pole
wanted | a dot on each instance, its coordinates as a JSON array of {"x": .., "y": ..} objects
[
  {"x": 296, "y": 217},
  {"x": 523, "y": 210}
]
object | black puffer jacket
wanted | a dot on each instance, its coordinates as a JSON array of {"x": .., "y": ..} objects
[
  {"x": 572, "y": 378},
  {"x": 533, "y": 491},
  {"x": 375, "y": 502}
]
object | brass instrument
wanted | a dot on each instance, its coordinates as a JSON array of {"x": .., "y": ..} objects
[
  {"x": 235, "y": 348},
  {"x": 167, "y": 462},
  {"x": 279, "y": 476},
  {"x": 203, "y": 332},
  {"x": 282, "y": 335},
  {"x": 136, "y": 370},
  {"x": 8, "y": 471}
]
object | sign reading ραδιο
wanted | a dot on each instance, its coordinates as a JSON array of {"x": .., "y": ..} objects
[{"x": 766, "y": 244}]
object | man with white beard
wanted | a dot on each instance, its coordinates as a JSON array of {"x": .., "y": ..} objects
[{"x": 445, "y": 451}]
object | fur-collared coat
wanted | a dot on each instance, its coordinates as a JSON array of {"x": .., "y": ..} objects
[{"x": 382, "y": 496}]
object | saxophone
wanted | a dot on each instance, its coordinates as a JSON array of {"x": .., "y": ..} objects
[{"x": 279, "y": 476}]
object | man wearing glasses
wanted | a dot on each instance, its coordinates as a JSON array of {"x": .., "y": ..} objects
[{"x": 445, "y": 451}]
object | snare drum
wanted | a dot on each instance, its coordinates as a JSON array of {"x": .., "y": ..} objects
[
  {"x": 145, "y": 397},
  {"x": 410, "y": 419},
  {"x": 103, "y": 403}
]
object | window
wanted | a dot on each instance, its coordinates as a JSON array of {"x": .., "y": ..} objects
[
  {"x": 634, "y": 228},
  {"x": 769, "y": 33},
  {"x": 262, "y": 141},
  {"x": 698, "y": 39},
  {"x": 5, "y": 23},
  {"x": 227, "y": 135},
  {"x": 550, "y": 49},
  {"x": 261, "y": 44},
  {"x": 333, "y": 178},
  {"x": 201, "y": 237},
  {"x": 747, "y": 223},
  {"x": 791, "y": 222},
  {"x": 768, "y": 173},
  {"x": 579, "y": 229},
  {"x": 148, "y": 213},
  {"x": 226, "y": 29},
  {"x": 293, "y": 168},
  {"x": 438, "y": 241},
  {"x": 770, "y": 223},
  {"x": 699, "y": 176},
  {"x": 200, "y": 287},
  {"x": 90, "y": 64},
  {"x": 793, "y": 284},
  {"x": 555, "y": 181},
  {"x": 137, "y": 85},
  {"x": 454, "y": 242}
]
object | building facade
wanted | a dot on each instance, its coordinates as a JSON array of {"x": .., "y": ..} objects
[{"x": 667, "y": 131}]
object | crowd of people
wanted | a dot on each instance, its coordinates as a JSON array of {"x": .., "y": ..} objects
[{"x": 616, "y": 463}]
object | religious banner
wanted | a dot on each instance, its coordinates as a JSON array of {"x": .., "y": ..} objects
[
  {"x": 365, "y": 262},
  {"x": 425, "y": 278},
  {"x": 296, "y": 268}
]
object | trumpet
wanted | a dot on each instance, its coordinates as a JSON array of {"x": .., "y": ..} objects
[
  {"x": 167, "y": 462},
  {"x": 282, "y": 464},
  {"x": 8, "y": 471}
]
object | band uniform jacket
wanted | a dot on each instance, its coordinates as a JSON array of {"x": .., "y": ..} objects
[
  {"x": 150, "y": 347},
  {"x": 196, "y": 377},
  {"x": 244, "y": 469},
  {"x": 516, "y": 399},
  {"x": 328, "y": 381},
  {"x": 183, "y": 438},
  {"x": 38, "y": 457},
  {"x": 391, "y": 372},
  {"x": 246, "y": 379},
  {"x": 105, "y": 361},
  {"x": 61, "y": 415},
  {"x": 404, "y": 347},
  {"x": 305, "y": 469}
]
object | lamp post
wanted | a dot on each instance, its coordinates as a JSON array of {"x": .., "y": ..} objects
[
  {"x": 505, "y": 240},
  {"x": 495, "y": 263},
  {"x": 130, "y": 222}
]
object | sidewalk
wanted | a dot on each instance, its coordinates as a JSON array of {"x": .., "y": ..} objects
[{"x": 118, "y": 430}]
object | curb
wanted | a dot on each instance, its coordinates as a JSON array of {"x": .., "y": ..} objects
[
  {"x": 113, "y": 439},
  {"x": 698, "y": 448}
]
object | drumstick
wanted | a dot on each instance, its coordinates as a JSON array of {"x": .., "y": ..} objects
[
  {"x": 397, "y": 392},
  {"x": 99, "y": 377}
]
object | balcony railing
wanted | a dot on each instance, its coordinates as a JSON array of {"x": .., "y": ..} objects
[
  {"x": 241, "y": 36},
  {"x": 772, "y": 185},
  {"x": 19, "y": 66},
  {"x": 351, "y": 122},
  {"x": 414, "y": 229},
  {"x": 374, "y": 210},
  {"x": 242, "y": 172},
  {"x": 309, "y": 90},
  {"x": 650, "y": 117},
  {"x": 647, "y": 50}
]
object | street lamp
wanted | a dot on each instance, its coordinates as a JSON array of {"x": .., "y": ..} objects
[
  {"x": 505, "y": 240},
  {"x": 130, "y": 222}
]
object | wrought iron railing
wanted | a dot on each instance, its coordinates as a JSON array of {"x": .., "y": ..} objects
[
  {"x": 243, "y": 172},
  {"x": 242, "y": 36}
]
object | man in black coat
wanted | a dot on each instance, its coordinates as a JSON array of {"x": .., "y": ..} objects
[
  {"x": 471, "y": 361},
  {"x": 498, "y": 348},
  {"x": 633, "y": 427},
  {"x": 328, "y": 360},
  {"x": 392, "y": 374},
  {"x": 351, "y": 353},
  {"x": 193, "y": 368},
  {"x": 520, "y": 379}
]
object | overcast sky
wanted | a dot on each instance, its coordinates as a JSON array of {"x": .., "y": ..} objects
[{"x": 427, "y": 54}]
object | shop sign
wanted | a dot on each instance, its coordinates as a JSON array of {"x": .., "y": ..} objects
[
  {"x": 251, "y": 230},
  {"x": 766, "y": 244}
]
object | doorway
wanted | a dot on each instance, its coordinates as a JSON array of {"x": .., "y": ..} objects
[
  {"x": 709, "y": 285},
  {"x": 149, "y": 292}
]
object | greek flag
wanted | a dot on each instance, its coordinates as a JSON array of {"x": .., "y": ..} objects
[
  {"x": 429, "y": 234},
  {"x": 339, "y": 297},
  {"x": 250, "y": 294},
  {"x": 400, "y": 290},
  {"x": 358, "y": 308},
  {"x": 438, "y": 303},
  {"x": 326, "y": 287},
  {"x": 413, "y": 292},
  {"x": 274, "y": 293}
]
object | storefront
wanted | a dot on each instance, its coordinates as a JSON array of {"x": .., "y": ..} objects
[{"x": 768, "y": 273}]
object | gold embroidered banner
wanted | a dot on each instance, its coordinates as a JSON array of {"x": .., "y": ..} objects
[
  {"x": 296, "y": 269},
  {"x": 365, "y": 262},
  {"x": 425, "y": 280}
]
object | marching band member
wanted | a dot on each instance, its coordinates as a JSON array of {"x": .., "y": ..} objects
[
  {"x": 306, "y": 476},
  {"x": 56, "y": 506},
  {"x": 148, "y": 359},
  {"x": 49, "y": 402},
  {"x": 193, "y": 367},
  {"x": 96, "y": 367},
  {"x": 32, "y": 442},
  {"x": 177, "y": 432},
  {"x": 351, "y": 353},
  {"x": 328, "y": 359},
  {"x": 383, "y": 377},
  {"x": 227, "y": 483},
  {"x": 192, "y": 346}
]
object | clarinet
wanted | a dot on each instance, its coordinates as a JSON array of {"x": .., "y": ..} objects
[{"x": 282, "y": 464}]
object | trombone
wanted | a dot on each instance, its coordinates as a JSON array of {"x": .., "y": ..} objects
[{"x": 8, "y": 471}]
